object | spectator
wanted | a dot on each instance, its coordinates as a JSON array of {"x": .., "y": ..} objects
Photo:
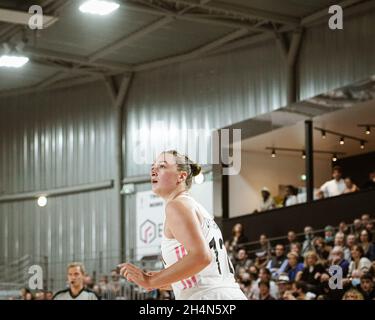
[
  {"x": 360, "y": 264},
  {"x": 264, "y": 275},
  {"x": 367, "y": 246},
  {"x": 114, "y": 287},
  {"x": 334, "y": 187},
  {"x": 29, "y": 296},
  {"x": 278, "y": 263},
  {"x": 311, "y": 273},
  {"x": 322, "y": 250},
  {"x": 89, "y": 282},
  {"x": 103, "y": 285},
  {"x": 264, "y": 291},
  {"x": 371, "y": 230},
  {"x": 293, "y": 266},
  {"x": 267, "y": 201},
  {"x": 246, "y": 283},
  {"x": 343, "y": 227},
  {"x": 350, "y": 186},
  {"x": 365, "y": 219},
  {"x": 261, "y": 259},
  {"x": 357, "y": 228},
  {"x": 283, "y": 284},
  {"x": 328, "y": 235},
  {"x": 340, "y": 241},
  {"x": 265, "y": 245},
  {"x": 49, "y": 295},
  {"x": 242, "y": 260},
  {"x": 307, "y": 245},
  {"x": 353, "y": 294},
  {"x": 237, "y": 238},
  {"x": 350, "y": 242},
  {"x": 337, "y": 258},
  {"x": 370, "y": 183},
  {"x": 296, "y": 248},
  {"x": 301, "y": 291},
  {"x": 292, "y": 238},
  {"x": 366, "y": 288},
  {"x": 290, "y": 196}
]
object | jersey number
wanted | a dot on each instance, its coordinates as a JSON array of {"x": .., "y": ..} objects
[{"x": 212, "y": 245}]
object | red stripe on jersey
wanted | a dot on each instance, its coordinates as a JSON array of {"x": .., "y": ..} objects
[
  {"x": 193, "y": 278},
  {"x": 179, "y": 258}
]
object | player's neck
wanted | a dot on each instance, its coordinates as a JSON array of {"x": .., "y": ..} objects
[
  {"x": 76, "y": 290},
  {"x": 174, "y": 194}
]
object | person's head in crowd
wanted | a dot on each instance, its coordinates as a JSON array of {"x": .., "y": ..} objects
[
  {"x": 337, "y": 173},
  {"x": 339, "y": 239},
  {"x": 283, "y": 283},
  {"x": 241, "y": 271},
  {"x": 253, "y": 271},
  {"x": 292, "y": 236},
  {"x": 264, "y": 289},
  {"x": 292, "y": 259},
  {"x": 88, "y": 282},
  {"x": 103, "y": 280},
  {"x": 367, "y": 283},
  {"x": 49, "y": 295},
  {"x": 349, "y": 183},
  {"x": 245, "y": 279},
  {"x": 300, "y": 289},
  {"x": 364, "y": 236},
  {"x": 40, "y": 295},
  {"x": 115, "y": 276},
  {"x": 23, "y": 292},
  {"x": 370, "y": 226},
  {"x": 319, "y": 243},
  {"x": 365, "y": 218},
  {"x": 264, "y": 274},
  {"x": 241, "y": 255},
  {"x": 237, "y": 230},
  {"x": 308, "y": 232},
  {"x": 265, "y": 193},
  {"x": 29, "y": 296},
  {"x": 263, "y": 240},
  {"x": 291, "y": 190},
  {"x": 97, "y": 290},
  {"x": 357, "y": 252},
  {"x": 76, "y": 275},
  {"x": 337, "y": 254},
  {"x": 311, "y": 259},
  {"x": 279, "y": 250},
  {"x": 343, "y": 227},
  {"x": 352, "y": 294},
  {"x": 328, "y": 233},
  {"x": 357, "y": 224},
  {"x": 351, "y": 240},
  {"x": 296, "y": 248}
]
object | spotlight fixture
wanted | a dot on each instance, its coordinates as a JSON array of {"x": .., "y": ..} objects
[
  {"x": 342, "y": 141},
  {"x": 368, "y": 130},
  {"x": 362, "y": 144},
  {"x": 42, "y": 201},
  {"x": 12, "y": 61},
  {"x": 303, "y": 155},
  {"x": 334, "y": 158},
  {"x": 99, "y": 7},
  {"x": 324, "y": 134},
  {"x": 273, "y": 154}
]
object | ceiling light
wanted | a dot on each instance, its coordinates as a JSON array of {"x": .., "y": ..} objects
[
  {"x": 13, "y": 61},
  {"x": 303, "y": 155},
  {"x": 273, "y": 154},
  {"x": 42, "y": 201},
  {"x": 323, "y": 134},
  {"x": 368, "y": 130},
  {"x": 334, "y": 158},
  {"x": 99, "y": 7},
  {"x": 362, "y": 144},
  {"x": 342, "y": 141}
]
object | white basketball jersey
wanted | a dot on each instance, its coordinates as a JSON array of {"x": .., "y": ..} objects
[{"x": 218, "y": 274}]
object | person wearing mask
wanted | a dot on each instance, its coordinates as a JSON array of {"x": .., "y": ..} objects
[
  {"x": 328, "y": 235},
  {"x": 334, "y": 187}
]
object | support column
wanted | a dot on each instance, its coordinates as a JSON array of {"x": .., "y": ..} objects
[{"x": 309, "y": 167}]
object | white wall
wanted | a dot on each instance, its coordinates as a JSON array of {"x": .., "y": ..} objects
[{"x": 259, "y": 170}]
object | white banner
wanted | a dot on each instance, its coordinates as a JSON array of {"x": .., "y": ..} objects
[{"x": 150, "y": 218}]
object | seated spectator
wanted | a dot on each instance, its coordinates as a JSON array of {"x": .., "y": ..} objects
[
  {"x": 366, "y": 288},
  {"x": 296, "y": 248},
  {"x": 283, "y": 284},
  {"x": 292, "y": 238},
  {"x": 114, "y": 286},
  {"x": 265, "y": 276},
  {"x": 352, "y": 294},
  {"x": 370, "y": 183},
  {"x": 264, "y": 291},
  {"x": 371, "y": 230},
  {"x": 357, "y": 228},
  {"x": 261, "y": 259},
  {"x": 368, "y": 247},
  {"x": 242, "y": 260},
  {"x": 322, "y": 250},
  {"x": 237, "y": 238},
  {"x": 334, "y": 187},
  {"x": 277, "y": 264},
  {"x": 307, "y": 245},
  {"x": 290, "y": 196},
  {"x": 359, "y": 264},
  {"x": 343, "y": 227},
  {"x": 338, "y": 259},
  {"x": 311, "y": 273},
  {"x": 301, "y": 291},
  {"x": 365, "y": 219},
  {"x": 293, "y": 266},
  {"x": 350, "y": 186},
  {"x": 350, "y": 242},
  {"x": 328, "y": 235},
  {"x": 267, "y": 201},
  {"x": 340, "y": 241},
  {"x": 245, "y": 283},
  {"x": 264, "y": 246}
]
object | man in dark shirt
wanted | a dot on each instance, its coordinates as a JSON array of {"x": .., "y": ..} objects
[{"x": 370, "y": 183}]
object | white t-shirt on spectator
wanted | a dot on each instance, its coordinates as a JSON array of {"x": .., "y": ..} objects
[
  {"x": 292, "y": 200},
  {"x": 333, "y": 188}
]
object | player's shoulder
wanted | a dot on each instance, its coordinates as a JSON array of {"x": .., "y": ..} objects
[{"x": 61, "y": 292}]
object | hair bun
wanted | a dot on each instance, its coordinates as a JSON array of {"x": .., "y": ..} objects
[{"x": 195, "y": 169}]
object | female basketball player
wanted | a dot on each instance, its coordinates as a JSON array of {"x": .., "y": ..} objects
[{"x": 193, "y": 251}]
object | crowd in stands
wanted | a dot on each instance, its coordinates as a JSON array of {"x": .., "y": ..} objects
[{"x": 333, "y": 264}]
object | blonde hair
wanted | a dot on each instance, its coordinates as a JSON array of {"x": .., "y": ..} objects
[
  {"x": 309, "y": 254},
  {"x": 185, "y": 164},
  {"x": 76, "y": 264},
  {"x": 354, "y": 292}
]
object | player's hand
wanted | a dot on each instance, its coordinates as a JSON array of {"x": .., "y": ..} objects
[{"x": 136, "y": 275}]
